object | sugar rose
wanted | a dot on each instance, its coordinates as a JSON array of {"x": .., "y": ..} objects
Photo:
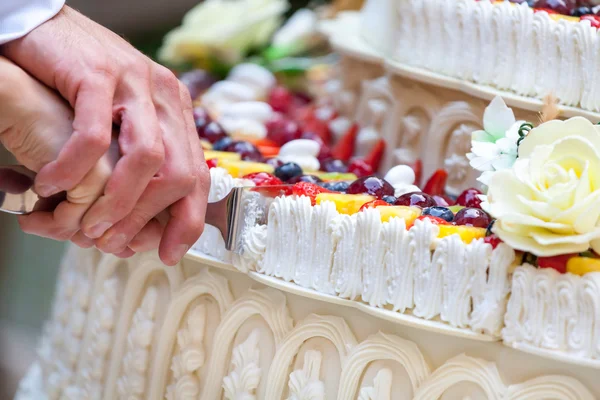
[{"x": 548, "y": 203}]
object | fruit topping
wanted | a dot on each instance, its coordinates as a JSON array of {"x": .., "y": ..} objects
[
  {"x": 310, "y": 190},
  {"x": 583, "y": 265},
  {"x": 493, "y": 240},
  {"x": 581, "y": 11},
  {"x": 565, "y": 7},
  {"x": 281, "y": 99},
  {"x": 282, "y": 130},
  {"x": 469, "y": 198},
  {"x": 558, "y": 263},
  {"x": 467, "y": 233},
  {"x": 408, "y": 214},
  {"x": 212, "y": 163},
  {"x": 472, "y": 217},
  {"x": 389, "y": 199},
  {"x": 594, "y": 20},
  {"x": 263, "y": 179},
  {"x": 221, "y": 155},
  {"x": 360, "y": 168},
  {"x": 345, "y": 203},
  {"x": 373, "y": 159},
  {"x": 372, "y": 185},
  {"x": 456, "y": 208},
  {"x": 275, "y": 162},
  {"x": 336, "y": 186},
  {"x": 222, "y": 144},
  {"x": 434, "y": 220},
  {"x": 418, "y": 199},
  {"x": 417, "y": 167},
  {"x": 440, "y": 212},
  {"x": 373, "y": 204},
  {"x": 237, "y": 169},
  {"x": 305, "y": 178},
  {"x": 336, "y": 176},
  {"x": 436, "y": 185},
  {"x": 334, "y": 165},
  {"x": 344, "y": 149},
  {"x": 246, "y": 150},
  {"x": 288, "y": 171},
  {"x": 212, "y": 132},
  {"x": 197, "y": 81}
]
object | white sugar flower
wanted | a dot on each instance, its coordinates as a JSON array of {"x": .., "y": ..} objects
[{"x": 495, "y": 147}]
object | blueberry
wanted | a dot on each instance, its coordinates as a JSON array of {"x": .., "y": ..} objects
[
  {"x": 288, "y": 171},
  {"x": 440, "y": 212},
  {"x": 579, "y": 11},
  {"x": 336, "y": 186},
  {"x": 389, "y": 199},
  {"x": 222, "y": 144}
]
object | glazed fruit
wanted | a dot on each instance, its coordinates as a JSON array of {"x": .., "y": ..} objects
[
  {"x": 456, "y": 208},
  {"x": 558, "y": 263},
  {"x": 308, "y": 189},
  {"x": 263, "y": 179},
  {"x": 212, "y": 163},
  {"x": 434, "y": 220},
  {"x": 275, "y": 162},
  {"x": 360, "y": 168},
  {"x": 583, "y": 265},
  {"x": 334, "y": 165},
  {"x": 221, "y": 155},
  {"x": 472, "y": 217},
  {"x": 345, "y": 203},
  {"x": 281, "y": 99},
  {"x": 389, "y": 199},
  {"x": 246, "y": 150},
  {"x": 408, "y": 214},
  {"x": 565, "y": 7},
  {"x": 288, "y": 171},
  {"x": 440, "y": 212},
  {"x": 372, "y": 185},
  {"x": 237, "y": 169},
  {"x": 581, "y": 11},
  {"x": 469, "y": 198},
  {"x": 467, "y": 233},
  {"x": 373, "y": 204},
  {"x": 493, "y": 240},
  {"x": 418, "y": 199},
  {"x": 436, "y": 184},
  {"x": 336, "y": 176},
  {"x": 213, "y": 132},
  {"x": 282, "y": 130},
  {"x": 336, "y": 186},
  {"x": 222, "y": 144},
  {"x": 305, "y": 178}
]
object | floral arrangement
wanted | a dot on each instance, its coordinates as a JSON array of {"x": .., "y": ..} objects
[{"x": 543, "y": 185}]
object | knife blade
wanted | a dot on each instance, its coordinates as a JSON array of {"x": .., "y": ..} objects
[{"x": 240, "y": 209}]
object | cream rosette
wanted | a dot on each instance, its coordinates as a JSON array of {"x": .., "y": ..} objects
[{"x": 548, "y": 203}]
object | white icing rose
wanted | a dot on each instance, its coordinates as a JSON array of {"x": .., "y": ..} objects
[
  {"x": 402, "y": 178},
  {"x": 548, "y": 203},
  {"x": 303, "y": 152}
]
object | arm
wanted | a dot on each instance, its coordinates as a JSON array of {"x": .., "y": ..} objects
[{"x": 19, "y": 17}]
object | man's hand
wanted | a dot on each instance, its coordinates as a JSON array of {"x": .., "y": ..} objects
[{"x": 107, "y": 81}]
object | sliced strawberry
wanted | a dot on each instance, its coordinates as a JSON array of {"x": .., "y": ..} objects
[
  {"x": 373, "y": 204},
  {"x": 594, "y": 20},
  {"x": 360, "y": 168},
  {"x": 309, "y": 190},
  {"x": 418, "y": 168},
  {"x": 344, "y": 149},
  {"x": 376, "y": 155},
  {"x": 212, "y": 163},
  {"x": 495, "y": 241},
  {"x": 263, "y": 179},
  {"x": 436, "y": 185},
  {"x": 558, "y": 263}
]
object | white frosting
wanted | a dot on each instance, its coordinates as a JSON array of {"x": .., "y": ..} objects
[
  {"x": 503, "y": 45},
  {"x": 555, "y": 312},
  {"x": 303, "y": 152},
  {"x": 402, "y": 178},
  {"x": 358, "y": 256},
  {"x": 244, "y": 128},
  {"x": 258, "y": 78}
]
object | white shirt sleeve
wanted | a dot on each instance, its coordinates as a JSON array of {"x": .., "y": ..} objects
[{"x": 19, "y": 17}]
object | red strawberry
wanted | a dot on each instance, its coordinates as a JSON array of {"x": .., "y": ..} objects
[
  {"x": 494, "y": 241},
  {"x": 212, "y": 163},
  {"x": 309, "y": 190},
  {"x": 594, "y": 20},
  {"x": 318, "y": 127},
  {"x": 376, "y": 155},
  {"x": 436, "y": 185},
  {"x": 264, "y": 179},
  {"x": 373, "y": 204},
  {"x": 558, "y": 263},
  {"x": 360, "y": 168},
  {"x": 344, "y": 149},
  {"x": 281, "y": 99},
  {"x": 418, "y": 168}
]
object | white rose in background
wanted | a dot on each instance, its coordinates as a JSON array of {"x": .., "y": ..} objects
[
  {"x": 548, "y": 203},
  {"x": 223, "y": 29},
  {"x": 495, "y": 147}
]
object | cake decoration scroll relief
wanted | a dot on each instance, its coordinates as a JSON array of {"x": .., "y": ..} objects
[
  {"x": 304, "y": 384},
  {"x": 242, "y": 381},
  {"x": 381, "y": 389},
  {"x": 374, "y": 105},
  {"x": 132, "y": 383},
  {"x": 189, "y": 357}
]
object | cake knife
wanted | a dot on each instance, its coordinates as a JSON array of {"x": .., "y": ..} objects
[{"x": 241, "y": 208}]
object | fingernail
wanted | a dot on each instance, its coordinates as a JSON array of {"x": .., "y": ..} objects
[
  {"x": 47, "y": 190},
  {"x": 98, "y": 230},
  {"x": 180, "y": 252},
  {"x": 117, "y": 242}
]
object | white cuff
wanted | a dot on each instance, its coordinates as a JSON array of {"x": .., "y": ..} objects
[{"x": 19, "y": 17}]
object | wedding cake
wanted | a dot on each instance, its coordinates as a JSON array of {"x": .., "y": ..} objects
[{"x": 434, "y": 232}]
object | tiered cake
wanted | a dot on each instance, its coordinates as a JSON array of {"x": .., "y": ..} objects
[{"x": 362, "y": 287}]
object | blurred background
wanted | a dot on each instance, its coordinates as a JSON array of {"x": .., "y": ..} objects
[{"x": 28, "y": 264}]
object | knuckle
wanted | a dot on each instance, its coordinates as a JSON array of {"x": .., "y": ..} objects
[
  {"x": 184, "y": 180},
  {"x": 138, "y": 219},
  {"x": 96, "y": 137},
  {"x": 166, "y": 80},
  {"x": 186, "y": 97},
  {"x": 150, "y": 156}
]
